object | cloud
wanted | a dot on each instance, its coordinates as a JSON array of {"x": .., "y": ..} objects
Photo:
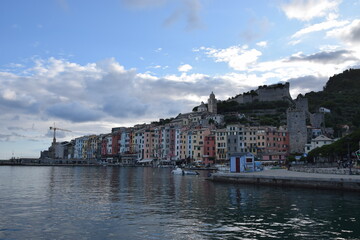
[
  {"x": 56, "y": 90},
  {"x": 238, "y": 58},
  {"x": 185, "y": 9},
  {"x": 5, "y": 137},
  {"x": 11, "y": 100},
  {"x": 319, "y": 27},
  {"x": 74, "y": 112},
  {"x": 124, "y": 106},
  {"x": 307, "y": 84},
  {"x": 184, "y": 68},
  {"x": 334, "y": 57},
  {"x": 305, "y": 10},
  {"x": 190, "y": 10},
  {"x": 262, "y": 44},
  {"x": 350, "y": 34},
  {"x": 192, "y": 15},
  {"x": 94, "y": 97}
]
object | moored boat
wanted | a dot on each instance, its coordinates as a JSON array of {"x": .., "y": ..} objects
[{"x": 179, "y": 171}]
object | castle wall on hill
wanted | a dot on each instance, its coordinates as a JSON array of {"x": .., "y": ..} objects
[
  {"x": 248, "y": 98},
  {"x": 275, "y": 92}
]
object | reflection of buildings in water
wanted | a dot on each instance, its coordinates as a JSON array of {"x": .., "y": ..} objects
[
  {"x": 235, "y": 196},
  {"x": 194, "y": 189},
  {"x": 114, "y": 185}
]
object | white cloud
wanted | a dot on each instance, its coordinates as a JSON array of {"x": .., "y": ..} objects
[
  {"x": 306, "y": 10},
  {"x": 319, "y": 27},
  {"x": 294, "y": 42},
  {"x": 9, "y": 95},
  {"x": 184, "y": 68},
  {"x": 349, "y": 34},
  {"x": 262, "y": 44},
  {"x": 94, "y": 97},
  {"x": 238, "y": 58}
]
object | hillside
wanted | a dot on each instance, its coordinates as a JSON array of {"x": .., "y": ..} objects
[
  {"x": 258, "y": 113},
  {"x": 338, "y": 149},
  {"x": 341, "y": 95}
]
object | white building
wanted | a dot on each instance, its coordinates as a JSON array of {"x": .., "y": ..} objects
[
  {"x": 318, "y": 142},
  {"x": 324, "y": 110},
  {"x": 78, "y": 149}
]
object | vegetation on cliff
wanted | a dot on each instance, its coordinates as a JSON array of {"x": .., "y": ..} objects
[
  {"x": 338, "y": 149},
  {"x": 260, "y": 113},
  {"x": 341, "y": 95}
]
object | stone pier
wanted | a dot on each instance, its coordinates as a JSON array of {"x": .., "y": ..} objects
[{"x": 283, "y": 177}]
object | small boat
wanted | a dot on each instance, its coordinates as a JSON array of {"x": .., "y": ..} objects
[
  {"x": 222, "y": 168},
  {"x": 179, "y": 171}
]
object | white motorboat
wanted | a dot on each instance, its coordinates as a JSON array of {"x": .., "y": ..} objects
[{"x": 179, "y": 171}]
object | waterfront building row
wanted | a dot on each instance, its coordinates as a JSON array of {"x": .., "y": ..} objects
[
  {"x": 199, "y": 144},
  {"x": 200, "y": 136}
]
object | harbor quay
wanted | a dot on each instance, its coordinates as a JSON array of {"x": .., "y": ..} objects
[{"x": 288, "y": 178}]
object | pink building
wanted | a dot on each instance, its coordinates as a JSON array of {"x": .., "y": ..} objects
[
  {"x": 148, "y": 143},
  {"x": 277, "y": 144},
  {"x": 209, "y": 149}
]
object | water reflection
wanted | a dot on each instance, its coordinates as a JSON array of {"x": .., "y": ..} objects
[{"x": 147, "y": 203}]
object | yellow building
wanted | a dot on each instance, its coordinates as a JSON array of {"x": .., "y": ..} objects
[
  {"x": 183, "y": 144},
  {"x": 260, "y": 141},
  {"x": 198, "y": 137},
  {"x": 250, "y": 139}
]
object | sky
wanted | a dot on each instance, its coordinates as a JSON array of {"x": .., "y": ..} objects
[{"x": 89, "y": 66}]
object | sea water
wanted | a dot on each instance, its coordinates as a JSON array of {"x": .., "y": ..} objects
[{"x": 151, "y": 203}]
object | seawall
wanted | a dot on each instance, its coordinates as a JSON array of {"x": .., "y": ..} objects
[{"x": 282, "y": 177}]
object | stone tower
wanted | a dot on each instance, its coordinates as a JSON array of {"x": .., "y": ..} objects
[
  {"x": 301, "y": 103},
  {"x": 296, "y": 124},
  {"x": 212, "y": 103}
]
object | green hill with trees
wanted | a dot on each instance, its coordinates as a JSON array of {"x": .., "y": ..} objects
[
  {"x": 337, "y": 150},
  {"x": 341, "y": 95}
]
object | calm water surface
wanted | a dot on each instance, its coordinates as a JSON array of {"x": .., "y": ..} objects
[{"x": 147, "y": 203}]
